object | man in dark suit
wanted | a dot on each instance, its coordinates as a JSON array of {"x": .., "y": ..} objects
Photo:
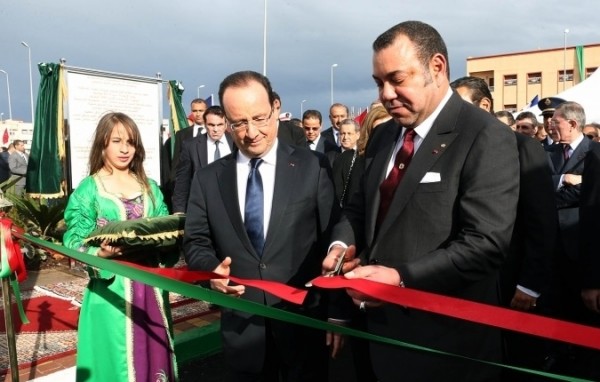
[
  {"x": 263, "y": 212},
  {"x": 200, "y": 152},
  {"x": 566, "y": 159},
  {"x": 337, "y": 113},
  {"x": 311, "y": 121},
  {"x": 440, "y": 221},
  {"x": 17, "y": 162},
  {"x": 525, "y": 275},
  {"x": 287, "y": 132},
  {"x": 170, "y": 159}
]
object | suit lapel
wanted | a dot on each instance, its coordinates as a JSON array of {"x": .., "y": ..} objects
[
  {"x": 286, "y": 170},
  {"x": 577, "y": 156},
  {"x": 440, "y": 137},
  {"x": 202, "y": 150},
  {"x": 227, "y": 181}
]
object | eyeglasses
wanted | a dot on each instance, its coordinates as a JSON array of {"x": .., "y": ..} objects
[
  {"x": 257, "y": 122},
  {"x": 591, "y": 136}
]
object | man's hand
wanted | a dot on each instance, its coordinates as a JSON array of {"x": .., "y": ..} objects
[
  {"x": 336, "y": 341},
  {"x": 591, "y": 299},
  {"x": 522, "y": 301},
  {"x": 571, "y": 179},
  {"x": 334, "y": 254},
  {"x": 222, "y": 285},
  {"x": 376, "y": 273}
]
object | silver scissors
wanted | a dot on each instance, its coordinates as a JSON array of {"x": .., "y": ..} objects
[{"x": 337, "y": 270}]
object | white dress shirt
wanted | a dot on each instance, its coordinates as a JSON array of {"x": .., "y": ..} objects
[
  {"x": 267, "y": 173},
  {"x": 211, "y": 148}
]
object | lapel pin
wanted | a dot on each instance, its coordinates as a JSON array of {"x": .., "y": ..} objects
[
  {"x": 435, "y": 152},
  {"x": 443, "y": 145},
  {"x": 291, "y": 164}
]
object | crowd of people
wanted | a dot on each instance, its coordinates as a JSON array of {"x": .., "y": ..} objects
[{"x": 428, "y": 192}]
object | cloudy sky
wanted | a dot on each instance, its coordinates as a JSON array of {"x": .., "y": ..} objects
[{"x": 200, "y": 42}]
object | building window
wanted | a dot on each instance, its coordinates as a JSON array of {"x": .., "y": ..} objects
[
  {"x": 534, "y": 78},
  {"x": 491, "y": 83},
  {"x": 510, "y": 80},
  {"x": 511, "y": 107},
  {"x": 589, "y": 71},
  {"x": 569, "y": 75}
]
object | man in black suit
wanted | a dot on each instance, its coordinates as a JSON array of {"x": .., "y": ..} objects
[
  {"x": 200, "y": 152},
  {"x": 263, "y": 212},
  {"x": 170, "y": 159},
  {"x": 525, "y": 275},
  {"x": 566, "y": 159},
  {"x": 435, "y": 211},
  {"x": 311, "y": 121},
  {"x": 337, "y": 113},
  {"x": 287, "y": 132}
]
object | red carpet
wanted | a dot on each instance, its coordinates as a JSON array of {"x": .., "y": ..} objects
[{"x": 45, "y": 314}]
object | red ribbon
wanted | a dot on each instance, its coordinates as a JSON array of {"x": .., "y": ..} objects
[
  {"x": 12, "y": 251},
  {"x": 448, "y": 306}
]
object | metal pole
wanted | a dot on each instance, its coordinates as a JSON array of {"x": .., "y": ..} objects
[
  {"x": 302, "y": 108},
  {"x": 30, "y": 82},
  {"x": 8, "y": 93},
  {"x": 565, "y": 61},
  {"x": 201, "y": 86},
  {"x": 11, "y": 338},
  {"x": 265, "y": 43},
  {"x": 332, "y": 66}
]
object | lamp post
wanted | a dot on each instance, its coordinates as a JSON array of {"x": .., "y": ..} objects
[
  {"x": 8, "y": 92},
  {"x": 265, "y": 43},
  {"x": 1, "y": 117},
  {"x": 332, "y": 66},
  {"x": 565, "y": 61},
  {"x": 199, "y": 87},
  {"x": 30, "y": 80},
  {"x": 302, "y": 108}
]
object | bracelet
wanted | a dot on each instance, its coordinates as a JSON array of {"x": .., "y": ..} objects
[{"x": 401, "y": 285}]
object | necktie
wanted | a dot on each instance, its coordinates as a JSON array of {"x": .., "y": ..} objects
[
  {"x": 389, "y": 185},
  {"x": 217, "y": 151},
  {"x": 254, "y": 210},
  {"x": 309, "y": 144},
  {"x": 337, "y": 138},
  {"x": 566, "y": 149}
]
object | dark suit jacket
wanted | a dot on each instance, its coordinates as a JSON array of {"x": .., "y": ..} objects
[
  {"x": 567, "y": 197},
  {"x": 329, "y": 144},
  {"x": 449, "y": 236},
  {"x": 589, "y": 261},
  {"x": 529, "y": 262},
  {"x": 4, "y": 167},
  {"x": 296, "y": 239},
  {"x": 291, "y": 134},
  {"x": 193, "y": 156}
]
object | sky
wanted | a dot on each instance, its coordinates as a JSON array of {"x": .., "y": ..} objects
[{"x": 201, "y": 42}]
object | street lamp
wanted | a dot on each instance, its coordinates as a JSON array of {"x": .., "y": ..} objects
[
  {"x": 301, "y": 108},
  {"x": 8, "y": 92},
  {"x": 565, "y": 61},
  {"x": 199, "y": 87},
  {"x": 265, "y": 43},
  {"x": 332, "y": 66},
  {"x": 1, "y": 117},
  {"x": 30, "y": 80}
]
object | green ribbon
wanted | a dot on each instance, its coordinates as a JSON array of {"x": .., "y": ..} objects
[{"x": 204, "y": 294}]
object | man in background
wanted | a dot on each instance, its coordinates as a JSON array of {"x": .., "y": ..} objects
[
  {"x": 337, "y": 113},
  {"x": 17, "y": 162}
]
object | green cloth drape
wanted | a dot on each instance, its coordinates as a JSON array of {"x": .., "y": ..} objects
[
  {"x": 178, "y": 116},
  {"x": 580, "y": 62},
  {"x": 44, "y": 169}
]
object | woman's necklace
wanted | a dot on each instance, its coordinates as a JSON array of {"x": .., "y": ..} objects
[{"x": 120, "y": 195}]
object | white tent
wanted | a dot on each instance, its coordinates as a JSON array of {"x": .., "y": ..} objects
[{"x": 585, "y": 93}]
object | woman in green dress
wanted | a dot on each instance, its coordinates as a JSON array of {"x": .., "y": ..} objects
[{"x": 125, "y": 329}]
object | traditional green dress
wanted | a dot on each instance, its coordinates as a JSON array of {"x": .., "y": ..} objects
[{"x": 125, "y": 330}]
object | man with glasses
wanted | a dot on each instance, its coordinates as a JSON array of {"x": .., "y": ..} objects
[
  {"x": 547, "y": 106},
  {"x": 566, "y": 161},
  {"x": 592, "y": 131},
  {"x": 263, "y": 213}
]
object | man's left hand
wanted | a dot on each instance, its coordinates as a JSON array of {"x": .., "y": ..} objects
[{"x": 377, "y": 273}]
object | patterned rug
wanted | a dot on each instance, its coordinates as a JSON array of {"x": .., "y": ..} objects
[{"x": 38, "y": 347}]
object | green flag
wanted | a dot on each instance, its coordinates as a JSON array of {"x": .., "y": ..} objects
[
  {"x": 44, "y": 169},
  {"x": 580, "y": 62},
  {"x": 178, "y": 116}
]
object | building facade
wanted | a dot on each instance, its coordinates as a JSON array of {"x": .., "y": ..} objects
[{"x": 515, "y": 79}]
